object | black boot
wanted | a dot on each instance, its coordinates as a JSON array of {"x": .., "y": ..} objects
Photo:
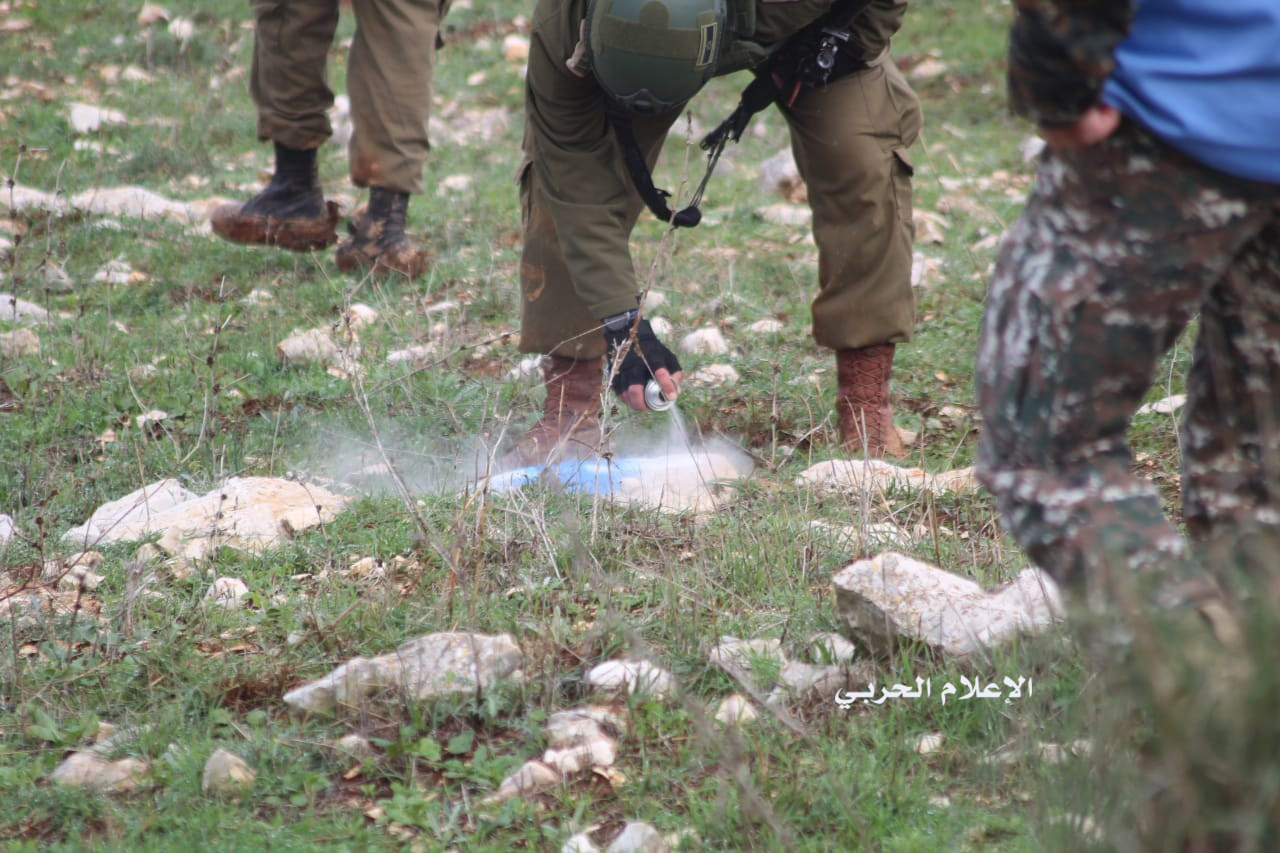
[
  {"x": 290, "y": 212},
  {"x": 378, "y": 241}
]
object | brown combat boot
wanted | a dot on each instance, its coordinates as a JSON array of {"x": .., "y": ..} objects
[
  {"x": 570, "y": 422},
  {"x": 290, "y": 212},
  {"x": 378, "y": 242},
  {"x": 862, "y": 402}
]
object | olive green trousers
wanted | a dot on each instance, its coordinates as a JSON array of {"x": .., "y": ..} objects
[
  {"x": 389, "y": 77},
  {"x": 850, "y": 141}
]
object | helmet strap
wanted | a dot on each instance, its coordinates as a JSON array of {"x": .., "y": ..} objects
[{"x": 654, "y": 198}]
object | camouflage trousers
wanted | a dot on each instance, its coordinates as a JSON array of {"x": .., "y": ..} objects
[{"x": 1119, "y": 247}]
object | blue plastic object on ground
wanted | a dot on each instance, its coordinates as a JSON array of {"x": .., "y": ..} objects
[{"x": 587, "y": 476}]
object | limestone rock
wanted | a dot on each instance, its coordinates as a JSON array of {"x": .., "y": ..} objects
[
  {"x": 226, "y": 773},
  {"x": 355, "y": 746},
  {"x": 638, "y": 837},
  {"x": 779, "y": 175},
  {"x": 248, "y": 514},
  {"x": 134, "y": 203},
  {"x": 892, "y": 598},
  {"x": 707, "y": 341},
  {"x": 877, "y": 475},
  {"x": 308, "y": 345},
  {"x": 791, "y": 215},
  {"x": 87, "y": 770},
  {"x": 530, "y": 778},
  {"x": 580, "y": 843},
  {"x": 7, "y": 528},
  {"x": 227, "y": 593},
  {"x": 422, "y": 669},
  {"x": 581, "y": 724},
  {"x": 829, "y": 648},
  {"x": 734, "y": 710},
  {"x": 599, "y": 751},
  {"x": 930, "y": 743},
  {"x": 731, "y": 653},
  {"x": 767, "y": 326},
  {"x": 19, "y": 343},
  {"x": 714, "y": 376},
  {"x": 798, "y": 680},
  {"x": 15, "y": 310},
  {"x": 86, "y": 118},
  {"x": 633, "y": 676}
]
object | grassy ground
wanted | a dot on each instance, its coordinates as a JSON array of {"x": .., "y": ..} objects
[{"x": 575, "y": 581}]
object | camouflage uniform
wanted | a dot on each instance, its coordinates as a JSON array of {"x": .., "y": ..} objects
[
  {"x": 850, "y": 140},
  {"x": 1120, "y": 245}
]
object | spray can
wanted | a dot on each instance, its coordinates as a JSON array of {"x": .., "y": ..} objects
[{"x": 654, "y": 399}]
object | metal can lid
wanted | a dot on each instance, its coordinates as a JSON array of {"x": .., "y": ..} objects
[{"x": 654, "y": 399}]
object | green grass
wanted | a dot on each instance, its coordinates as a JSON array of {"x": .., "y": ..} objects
[{"x": 575, "y": 581}]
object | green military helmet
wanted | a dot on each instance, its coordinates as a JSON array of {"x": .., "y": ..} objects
[{"x": 653, "y": 55}]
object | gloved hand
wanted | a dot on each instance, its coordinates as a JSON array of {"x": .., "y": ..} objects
[{"x": 642, "y": 357}]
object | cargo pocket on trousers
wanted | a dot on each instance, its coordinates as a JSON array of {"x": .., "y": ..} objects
[{"x": 902, "y": 173}]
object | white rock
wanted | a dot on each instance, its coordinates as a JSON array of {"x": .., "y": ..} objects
[
  {"x": 661, "y": 326},
  {"x": 340, "y": 121},
  {"x": 86, "y": 118},
  {"x": 228, "y": 593},
  {"x": 714, "y": 376},
  {"x": 876, "y": 475},
  {"x": 633, "y": 676},
  {"x": 797, "y": 679},
  {"x": 151, "y": 13},
  {"x": 734, "y": 654},
  {"x": 767, "y": 326},
  {"x": 565, "y": 728},
  {"x": 19, "y": 343},
  {"x": 892, "y": 598},
  {"x": 8, "y": 529},
  {"x": 876, "y": 536},
  {"x": 530, "y": 778},
  {"x": 779, "y": 175},
  {"x": 580, "y": 843},
  {"x": 114, "y": 272},
  {"x": 360, "y": 315},
  {"x": 931, "y": 742},
  {"x": 17, "y": 310},
  {"x": 182, "y": 29},
  {"x": 152, "y": 417},
  {"x": 355, "y": 746},
  {"x": 249, "y": 514},
  {"x": 515, "y": 48},
  {"x": 417, "y": 355},
  {"x": 454, "y": 185},
  {"x": 927, "y": 69},
  {"x": 87, "y": 770},
  {"x": 708, "y": 341},
  {"x": 790, "y": 215},
  {"x": 308, "y": 345},
  {"x": 567, "y": 760},
  {"x": 226, "y": 773},
  {"x": 735, "y": 710},
  {"x": 135, "y": 203},
  {"x": 653, "y": 300},
  {"x": 1167, "y": 406},
  {"x": 422, "y": 669},
  {"x": 638, "y": 837},
  {"x": 829, "y": 648}
]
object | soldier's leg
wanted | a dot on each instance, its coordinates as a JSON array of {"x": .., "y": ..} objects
[
  {"x": 1231, "y": 427},
  {"x": 291, "y": 43},
  {"x": 287, "y": 82},
  {"x": 850, "y": 141},
  {"x": 556, "y": 323},
  {"x": 1117, "y": 247},
  {"x": 389, "y": 81}
]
